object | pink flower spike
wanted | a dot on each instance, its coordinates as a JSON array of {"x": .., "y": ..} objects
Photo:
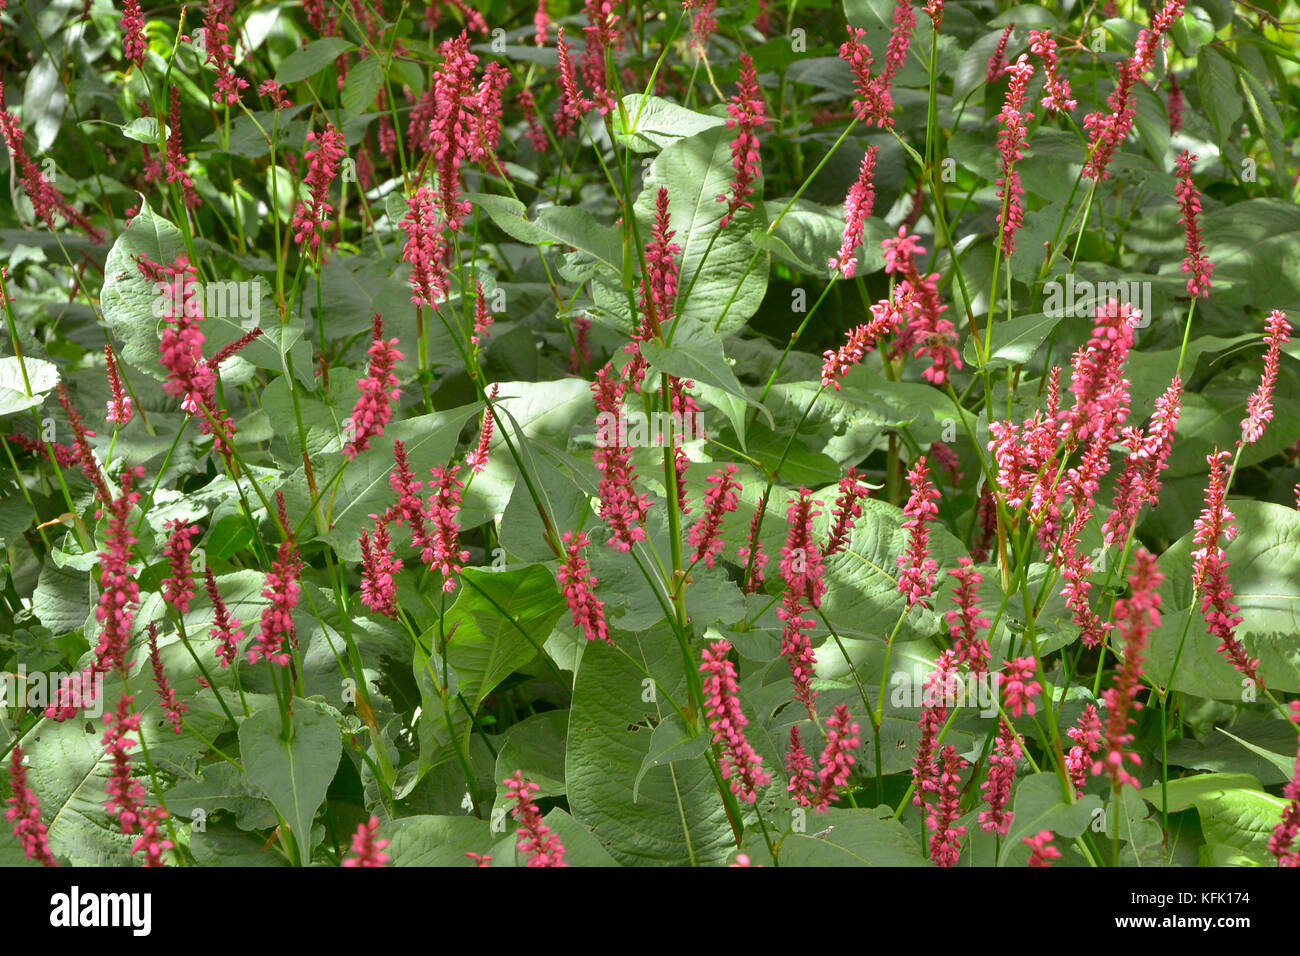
[
  {"x": 966, "y": 620},
  {"x": 579, "y": 587},
  {"x": 837, "y": 759},
  {"x": 443, "y": 552},
  {"x": 379, "y": 390},
  {"x": 176, "y": 158},
  {"x": 572, "y": 103},
  {"x": 997, "y": 788},
  {"x": 125, "y": 793},
  {"x": 311, "y": 219},
  {"x": 477, "y": 460},
  {"x": 25, "y": 813},
  {"x": 846, "y": 511},
  {"x": 719, "y": 500},
  {"x": 134, "y": 43},
  {"x": 426, "y": 249},
  {"x": 1189, "y": 201},
  {"x": 282, "y": 589},
  {"x": 738, "y": 761},
  {"x": 533, "y": 837},
  {"x": 939, "y": 691},
  {"x": 1011, "y": 145},
  {"x": 1086, "y": 735},
  {"x": 1284, "y": 833},
  {"x": 367, "y": 846},
  {"x": 621, "y": 507},
  {"x": 885, "y": 320},
  {"x": 997, "y": 64},
  {"x": 541, "y": 20},
  {"x": 752, "y": 554},
  {"x": 803, "y": 779},
  {"x": 178, "y": 589},
  {"x": 1041, "y": 851},
  {"x": 748, "y": 113},
  {"x": 119, "y": 594},
  {"x": 1056, "y": 87},
  {"x": 119, "y": 405},
  {"x": 166, "y": 693},
  {"x": 1019, "y": 687},
  {"x": 1259, "y": 408},
  {"x": 379, "y": 569},
  {"x": 151, "y": 839},
  {"x": 1174, "y": 107},
  {"x": 919, "y": 569},
  {"x": 858, "y": 205},
  {"x": 225, "y": 629},
  {"x": 945, "y": 835}
]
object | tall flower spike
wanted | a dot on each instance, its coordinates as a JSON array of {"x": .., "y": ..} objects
[
  {"x": 178, "y": 587},
  {"x": 579, "y": 587},
  {"x": 1056, "y": 88},
  {"x": 1019, "y": 687},
  {"x": 482, "y": 317},
  {"x": 658, "y": 287},
  {"x": 134, "y": 43},
  {"x": 705, "y": 537},
  {"x": 541, "y": 21},
  {"x": 225, "y": 628},
  {"x": 220, "y": 52},
  {"x": 445, "y": 553},
  {"x": 938, "y": 691},
  {"x": 738, "y": 762},
  {"x": 1174, "y": 107},
  {"x": 1137, "y": 616},
  {"x": 846, "y": 511},
  {"x": 367, "y": 846},
  {"x": 533, "y": 837},
  {"x": 311, "y": 219},
  {"x": 119, "y": 409},
  {"x": 1041, "y": 851},
  {"x": 379, "y": 569},
  {"x": 379, "y": 390},
  {"x": 477, "y": 460},
  {"x": 166, "y": 693},
  {"x": 621, "y": 507},
  {"x": 919, "y": 569},
  {"x": 176, "y": 158},
  {"x": 997, "y": 64},
  {"x": 885, "y": 320},
  {"x": 125, "y": 793},
  {"x": 572, "y": 103},
  {"x": 86, "y": 457},
  {"x": 873, "y": 103},
  {"x": 1011, "y": 144},
  {"x": 119, "y": 593},
  {"x": 151, "y": 839},
  {"x": 803, "y": 779},
  {"x": 282, "y": 589},
  {"x": 1284, "y": 834},
  {"x": 425, "y": 249},
  {"x": 966, "y": 620},
  {"x": 997, "y": 788},
  {"x": 858, "y": 205},
  {"x": 945, "y": 835},
  {"x": 752, "y": 554},
  {"x": 1189, "y": 201},
  {"x": 25, "y": 813},
  {"x": 837, "y": 759},
  {"x": 1086, "y": 735},
  {"x": 748, "y": 113},
  {"x": 1259, "y": 408}
]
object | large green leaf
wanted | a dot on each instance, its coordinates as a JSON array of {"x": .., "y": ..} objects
[
  {"x": 311, "y": 59},
  {"x": 1217, "y": 84},
  {"x": 499, "y": 622},
  {"x": 846, "y": 837},
  {"x": 1241, "y": 820},
  {"x": 653, "y": 122},
  {"x": 15, "y": 396},
  {"x": 294, "y": 774},
  {"x": 678, "y": 818},
  {"x": 1040, "y": 805},
  {"x": 436, "y": 841},
  {"x": 695, "y": 171}
]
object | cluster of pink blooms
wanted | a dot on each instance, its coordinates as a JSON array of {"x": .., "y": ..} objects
[
  {"x": 751, "y": 552},
  {"x": 858, "y": 204},
  {"x": 997, "y": 787},
  {"x": 225, "y": 628},
  {"x": 997, "y": 64},
  {"x": 1108, "y": 128},
  {"x": 282, "y": 590},
  {"x": 918, "y": 568},
  {"x": 1137, "y": 616},
  {"x": 166, "y": 693},
  {"x": 1259, "y": 407},
  {"x": 1175, "y": 105},
  {"x": 738, "y": 761},
  {"x": 947, "y": 459},
  {"x": 748, "y": 113},
  {"x": 311, "y": 218},
  {"x": 1210, "y": 569},
  {"x": 1011, "y": 143},
  {"x": 367, "y": 847},
  {"x": 125, "y": 793},
  {"x": 134, "y": 43},
  {"x": 379, "y": 569},
  {"x": 533, "y": 836},
  {"x": 621, "y": 506},
  {"x": 119, "y": 410},
  {"x": 579, "y": 587},
  {"x": 918, "y": 298},
  {"x": 151, "y": 839},
  {"x": 804, "y": 576},
  {"x": 820, "y": 789},
  {"x": 1086, "y": 735},
  {"x": 482, "y": 317},
  {"x": 216, "y": 28},
  {"x": 426, "y": 249},
  {"x": 477, "y": 460},
  {"x": 119, "y": 594},
  {"x": 444, "y": 552},
  {"x": 572, "y": 103},
  {"x": 874, "y": 102},
  {"x": 178, "y": 587},
  {"x": 1019, "y": 687},
  {"x": 938, "y": 691},
  {"x": 379, "y": 390},
  {"x": 965, "y": 620},
  {"x": 83, "y": 454},
  {"x": 46, "y": 200},
  {"x": 25, "y": 813},
  {"x": 601, "y": 36},
  {"x": 720, "y": 500},
  {"x": 658, "y": 287},
  {"x": 1056, "y": 88},
  {"x": 846, "y": 511},
  {"x": 945, "y": 834},
  {"x": 1284, "y": 834},
  {"x": 1041, "y": 851},
  {"x": 1189, "y": 201},
  {"x": 1148, "y": 455},
  {"x": 541, "y": 21}
]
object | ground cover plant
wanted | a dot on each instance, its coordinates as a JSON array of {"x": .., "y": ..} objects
[{"x": 760, "y": 433}]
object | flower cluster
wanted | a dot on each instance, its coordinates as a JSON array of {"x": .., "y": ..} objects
[
  {"x": 738, "y": 762},
  {"x": 533, "y": 837}
]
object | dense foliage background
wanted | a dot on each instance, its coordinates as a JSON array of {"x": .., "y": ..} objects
[{"x": 372, "y": 559}]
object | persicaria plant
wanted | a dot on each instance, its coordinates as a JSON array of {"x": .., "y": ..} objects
[{"x": 650, "y": 433}]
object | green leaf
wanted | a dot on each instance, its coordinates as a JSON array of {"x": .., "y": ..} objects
[
  {"x": 1014, "y": 342},
  {"x": 1218, "y": 88},
  {"x": 695, "y": 171},
  {"x": 436, "y": 841},
  {"x": 1184, "y": 792},
  {"x": 143, "y": 130},
  {"x": 294, "y": 774},
  {"x": 222, "y": 787},
  {"x": 568, "y": 225},
  {"x": 1242, "y": 820},
  {"x": 1283, "y": 763},
  {"x": 500, "y": 621},
  {"x": 810, "y": 234},
  {"x": 535, "y": 745},
  {"x": 42, "y": 376},
  {"x": 847, "y": 837},
  {"x": 128, "y": 298},
  {"x": 361, "y": 86},
  {"x": 62, "y": 598},
  {"x": 655, "y": 123},
  {"x": 696, "y": 353},
  {"x": 678, "y": 818},
  {"x": 311, "y": 59},
  {"x": 670, "y": 742}
]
